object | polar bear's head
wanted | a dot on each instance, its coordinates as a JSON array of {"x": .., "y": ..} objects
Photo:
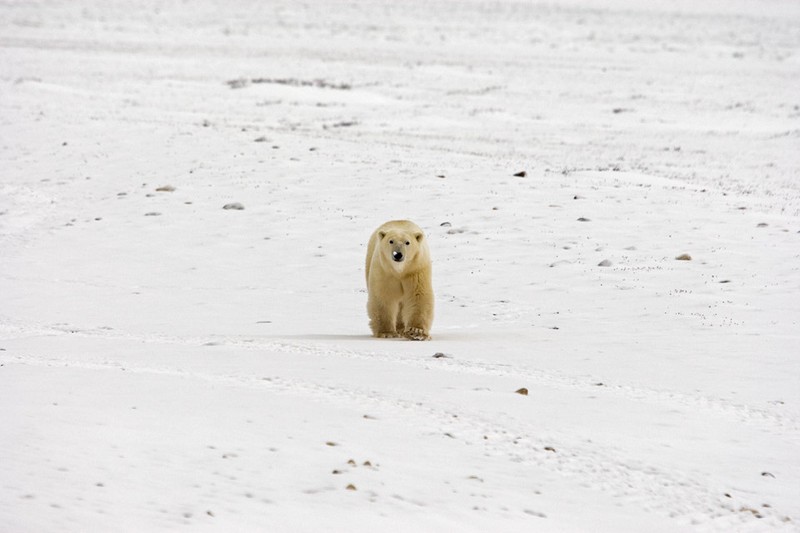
[{"x": 401, "y": 248}]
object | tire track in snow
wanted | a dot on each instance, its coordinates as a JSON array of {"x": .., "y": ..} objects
[
  {"x": 741, "y": 412},
  {"x": 687, "y": 500}
]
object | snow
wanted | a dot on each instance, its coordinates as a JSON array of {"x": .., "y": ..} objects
[{"x": 167, "y": 364}]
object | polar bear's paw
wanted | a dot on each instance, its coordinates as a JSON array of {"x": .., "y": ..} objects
[
  {"x": 416, "y": 334},
  {"x": 387, "y": 335}
]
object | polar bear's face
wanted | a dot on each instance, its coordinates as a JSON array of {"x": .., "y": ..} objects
[{"x": 400, "y": 248}]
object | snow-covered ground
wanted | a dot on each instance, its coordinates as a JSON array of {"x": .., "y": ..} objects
[{"x": 167, "y": 364}]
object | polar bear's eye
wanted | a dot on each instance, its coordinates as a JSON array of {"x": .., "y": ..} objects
[
  {"x": 391, "y": 242},
  {"x": 407, "y": 243}
]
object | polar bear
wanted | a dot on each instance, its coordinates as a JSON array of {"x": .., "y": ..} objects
[{"x": 399, "y": 281}]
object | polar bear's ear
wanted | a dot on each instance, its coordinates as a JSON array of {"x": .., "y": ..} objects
[
  {"x": 382, "y": 234},
  {"x": 419, "y": 237}
]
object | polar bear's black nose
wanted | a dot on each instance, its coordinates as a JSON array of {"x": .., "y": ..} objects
[{"x": 397, "y": 256}]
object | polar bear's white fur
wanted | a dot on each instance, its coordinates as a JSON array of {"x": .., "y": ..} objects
[{"x": 399, "y": 281}]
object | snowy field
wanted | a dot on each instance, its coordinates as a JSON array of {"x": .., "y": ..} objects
[{"x": 170, "y": 365}]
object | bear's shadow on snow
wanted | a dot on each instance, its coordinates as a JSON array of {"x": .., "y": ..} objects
[
  {"x": 330, "y": 337},
  {"x": 445, "y": 336}
]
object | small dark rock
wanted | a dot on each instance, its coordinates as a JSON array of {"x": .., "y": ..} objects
[
  {"x": 523, "y": 391},
  {"x": 520, "y": 174},
  {"x": 583, "y": 219},
  {"x": 440, "y": 355},
  {"x": 684, "y": 257},
  {"x": 235, "y": 206},
  {"x": 341, "y": 124},
  {"x": 238, "y": 83}
]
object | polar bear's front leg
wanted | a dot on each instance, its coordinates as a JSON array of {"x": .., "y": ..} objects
[
  {"x": 417, "y": 307},
  {"x": 382, "y": 318}
]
